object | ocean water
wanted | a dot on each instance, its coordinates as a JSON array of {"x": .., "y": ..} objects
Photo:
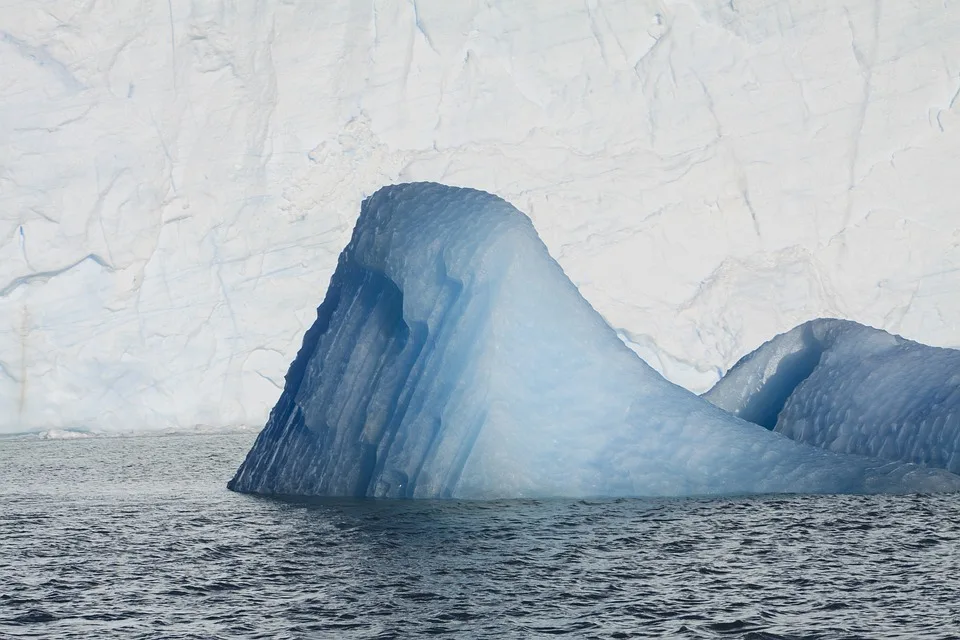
[{"x": 138, "y": 538}]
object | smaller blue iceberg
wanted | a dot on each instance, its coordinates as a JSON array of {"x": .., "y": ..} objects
[
  {"x": 849, "y": 388},
  {"x": 452, "y": 357}
]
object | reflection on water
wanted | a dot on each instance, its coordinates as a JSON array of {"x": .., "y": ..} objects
[{"x": 137, "y": 537}]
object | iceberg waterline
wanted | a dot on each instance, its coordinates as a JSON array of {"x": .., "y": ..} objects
[
  {"x": 850, "y": 388},
  {"x": 452, "y": 357}
]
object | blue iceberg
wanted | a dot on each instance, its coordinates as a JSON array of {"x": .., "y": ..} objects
[
  {"x": 849, "y": 388},
  {"x": 452, "y": 357}
]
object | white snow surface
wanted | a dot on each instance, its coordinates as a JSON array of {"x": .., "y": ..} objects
[
  {"x": 177, "y": 177},
  {"x": 452, "y": 357},
  {"x": 848, "y": 388}
]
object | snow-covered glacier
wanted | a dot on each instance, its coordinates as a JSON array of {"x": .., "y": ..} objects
[
  {"x": 850, "y": 388},
  {"x": 177, "y": 177},
  {"x": 452, "y": 356}
]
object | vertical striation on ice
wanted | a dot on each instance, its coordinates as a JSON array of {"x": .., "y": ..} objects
[
  {"x": 452, "y": 357},
  {"x": 850, "y": 388}
]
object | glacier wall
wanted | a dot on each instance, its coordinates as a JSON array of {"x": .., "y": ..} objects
[
  {"x": 177, "y": 178},
  {"x": 848, "y": 388},
  {"x": 452, "y": 357}
]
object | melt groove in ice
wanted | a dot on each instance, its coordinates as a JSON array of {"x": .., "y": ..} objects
[{"x": 452, "y": 357}]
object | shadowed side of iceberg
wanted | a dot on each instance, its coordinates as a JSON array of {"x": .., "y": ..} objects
[
  {"x": 850, "y": 388},
  {"x": 452, "y": 357}
]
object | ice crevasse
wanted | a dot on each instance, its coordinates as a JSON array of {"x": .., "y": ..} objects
[
  {"x": 850, "y": 388},
  {"x": 452, "y": 357}
]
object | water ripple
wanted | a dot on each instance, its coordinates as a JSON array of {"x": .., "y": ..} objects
[{"x": 137, "y": 538}]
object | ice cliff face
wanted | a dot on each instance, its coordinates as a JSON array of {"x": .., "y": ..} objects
[
  {"x": 452, "y": 357},
  {"x": 177, "y": 178},
  {"x": 852, "y": 389}
]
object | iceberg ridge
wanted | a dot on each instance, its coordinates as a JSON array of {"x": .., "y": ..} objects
[{"x": 850, "y": 388}]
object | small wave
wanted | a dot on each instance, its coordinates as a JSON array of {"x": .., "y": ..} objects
[
  {"x": 51, "y": 434},
  {"x": 80, "y": 433},
  {"x": 64, "y": 434}
]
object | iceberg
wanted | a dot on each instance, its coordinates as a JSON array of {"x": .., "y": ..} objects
[
  {"x": 850, "y": 388},
  {"x": 452, "y": 357}
]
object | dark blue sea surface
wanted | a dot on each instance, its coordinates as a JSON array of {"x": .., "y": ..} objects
[{"x": 139, "y": 538}]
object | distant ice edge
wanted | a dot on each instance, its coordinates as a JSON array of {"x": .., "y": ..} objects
[
  {"x": 452, "y": 357},
  {"x": 850, "y": 388}
]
